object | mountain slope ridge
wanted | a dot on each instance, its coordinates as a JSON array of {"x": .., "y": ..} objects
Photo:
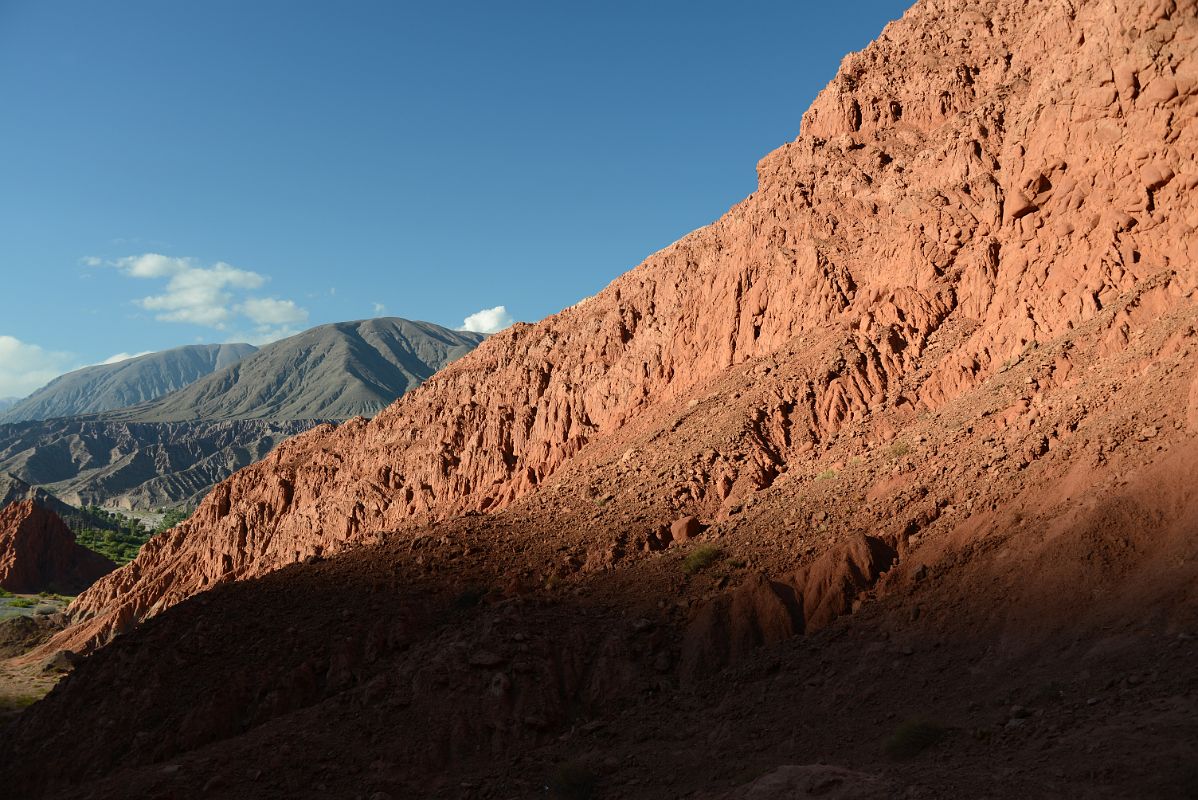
[
  {"x": 141, "y": 465},
  {"x": 171, "y": 450},
  {"x": 104, "y": 387},
  {"x": 305, "y": 376}
]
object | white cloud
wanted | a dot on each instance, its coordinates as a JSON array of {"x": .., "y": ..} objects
[
  {"x": 90, "y": 261},
  {"x": 489, "y": 320},
  {"x": 271, "y": 311},
  {"x": 119, "y": 357},
  {"x": 273, "y": 319},
  {"x": 25, "y": 367},
  {"x": 265, "y": 334},
  {"x": 379, "y": 308},
  {"x": 194, "y": 294},
  {"x": 208, "y": 296},
  {"x": 153, "y": 265}
]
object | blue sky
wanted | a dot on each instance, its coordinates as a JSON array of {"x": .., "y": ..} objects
[{"x": 178, "y": 172}]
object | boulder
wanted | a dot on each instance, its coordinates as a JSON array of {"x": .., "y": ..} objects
[{"x": 684, "y": 529}]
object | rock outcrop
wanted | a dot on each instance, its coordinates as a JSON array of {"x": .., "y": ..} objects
[
  {"x": 761, "y": 611},
  {"x": 979, "y": 185},
  {"x": 817, "y": 780},
  {"x": 38, "y": 553}
]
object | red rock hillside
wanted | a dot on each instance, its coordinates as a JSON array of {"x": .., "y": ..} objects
[
  {"x": 38, "y": 553},
  {"x": 982, "y": 182},
  {"x": 879, "y": 486}
]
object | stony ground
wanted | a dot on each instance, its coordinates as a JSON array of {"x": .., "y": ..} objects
[{"x": 1035, "y": 629}]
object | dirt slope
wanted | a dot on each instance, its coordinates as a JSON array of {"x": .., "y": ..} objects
[{"x": 497, "y": 655}]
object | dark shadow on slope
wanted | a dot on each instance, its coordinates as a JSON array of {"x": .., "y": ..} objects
[{"x": 430, "y": 671}]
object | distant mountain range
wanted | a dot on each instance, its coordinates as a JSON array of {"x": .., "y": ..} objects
[
  {"x": 336, "y": 371},
  {"x": 145, "y": 465},
  {"x": 13, "y": 490},
  {"x": 170, "y": 449},
  {"x": 104, "y": 387}
]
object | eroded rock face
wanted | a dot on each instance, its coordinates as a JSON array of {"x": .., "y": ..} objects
[
  {"x": 38, "y": 553},
  {"x": 829, "y": 585},
  {"x": 761, "y": 611},
  {"x": 982, "y": 180}
]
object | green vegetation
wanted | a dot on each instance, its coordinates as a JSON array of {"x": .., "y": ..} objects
[
  {"x": 913, "y": 737},
  {"x": 121, "y": 546},
  {"x": 10, "y": 704},
  {"x": 898, "y": 450},
  {"x": 23, "y": 602},
  {"x": 700, "y": 558},
  {"x": 826, "y": 475},
  {"x": 110, "y": 534},
  {"x": 116, "y": 536},
  {"x": 5, "y": 592},
  {"x": 173, "y": 517},
  {"x": 96, "y": 518}
]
